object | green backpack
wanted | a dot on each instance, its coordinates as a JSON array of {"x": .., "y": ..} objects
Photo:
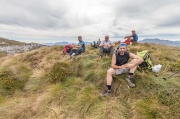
[{"x": 147, "y": 61}]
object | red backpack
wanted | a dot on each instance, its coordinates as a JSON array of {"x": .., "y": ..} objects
[
  {"x": 67, "y": 48},
  {"x": 128, "y": 41}
]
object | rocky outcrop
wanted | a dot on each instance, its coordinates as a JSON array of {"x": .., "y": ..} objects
[{"x": 13, "y": 49}]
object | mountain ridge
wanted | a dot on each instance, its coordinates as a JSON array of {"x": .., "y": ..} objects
[
  {"x": 11, "y": 47},
  {"x": 158, "y": 41}
]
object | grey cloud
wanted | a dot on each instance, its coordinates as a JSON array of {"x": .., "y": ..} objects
[
  {"x": 39, "y": 15},
  {"x": 159, "y": 35},
  {"x": 170, "y": 22},
  {"x": 139, "y": 9},
  {"x": 144, "y": 15}
]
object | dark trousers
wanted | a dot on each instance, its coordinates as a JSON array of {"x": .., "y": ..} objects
[
  {"x": 76, "y": 51},
  {"x": 106, "y": 50}
]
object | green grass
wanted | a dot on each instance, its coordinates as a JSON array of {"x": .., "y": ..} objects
[
  {"x": 2, "y": 98},
  {"x": 150, "y": 109},
  {"x": 59, "y": 72},
  {"x": 60, "y": 87},
  {"x": 10, "y": 83},
  {"x": 3, "y": 54}
]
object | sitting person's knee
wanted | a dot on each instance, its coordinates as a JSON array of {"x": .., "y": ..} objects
[
  {"x": 134, "y": 60},
  {"x": 109, "y": 71}
]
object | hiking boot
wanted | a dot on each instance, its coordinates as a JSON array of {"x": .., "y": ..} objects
[
  {"x": 106, "y": 93},
  {"x": 100, "y": 57},
  {"x": 129, "y": 81}
]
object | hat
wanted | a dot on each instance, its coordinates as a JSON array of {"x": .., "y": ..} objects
[{"x": 122, "y": 44}]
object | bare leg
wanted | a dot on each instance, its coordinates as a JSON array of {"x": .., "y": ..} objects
[
  {"x": 132, "y": 70},
  {"x": 110, "y": 72}
]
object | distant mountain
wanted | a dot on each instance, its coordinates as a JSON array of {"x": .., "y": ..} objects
[
  {"x": 88, "y": 43},
  {"x": 63, "y": 43},
  {"x": 158, "y": 41},
  {"x": 57, "y": 43}
]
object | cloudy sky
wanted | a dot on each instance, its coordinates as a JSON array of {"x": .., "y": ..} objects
[{"x": 63, "y": 20}]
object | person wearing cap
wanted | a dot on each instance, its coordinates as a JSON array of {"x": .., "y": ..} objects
[
  {"x": 121, "y": 65},
  {"x": 134, "y": 37},
  {"x": 106, "y": 47}
]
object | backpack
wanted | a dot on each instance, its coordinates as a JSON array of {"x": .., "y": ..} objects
[
  {"x": 67, "y": 48},
  {"x": 147, "y": 61},
  {"x": 128, "y": 41}
]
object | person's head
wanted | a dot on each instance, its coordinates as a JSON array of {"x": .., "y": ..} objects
[
  {"x": 79, "y": 38},
  {"x": 122, "y": 48},
  {"x": 106, "y": 38},
  {"x": 133, "y": 31}
]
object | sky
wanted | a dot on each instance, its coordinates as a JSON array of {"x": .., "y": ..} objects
[{"x": 45, "y": 21}]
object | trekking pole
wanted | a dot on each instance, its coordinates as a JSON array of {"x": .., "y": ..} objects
[
  {"x": 171, "y": 75},
  {"x": 163, "y": 72}
]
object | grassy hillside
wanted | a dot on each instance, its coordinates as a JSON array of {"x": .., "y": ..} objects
[
  {"x": 44, "y": 84},
  {"x": 3, "y": 54},
  {"x": 7, "y": 42}
]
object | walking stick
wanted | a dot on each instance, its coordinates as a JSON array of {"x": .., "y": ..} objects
[{"x": 171, "y": 75}]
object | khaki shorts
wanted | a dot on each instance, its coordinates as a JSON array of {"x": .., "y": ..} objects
[{"x": 120, "y": 71}]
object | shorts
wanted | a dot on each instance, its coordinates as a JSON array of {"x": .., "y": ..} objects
[{"x": 120, "y": 71}]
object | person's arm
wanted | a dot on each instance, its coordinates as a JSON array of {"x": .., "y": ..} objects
[
  {"x": 101, "y": 44},
  {"x": 78, "y": 46},
  {"x": 133, "y": 56},
  {"x": 111, "y": 44},
  {"x": 113, "y": 64},
  {"x": 128, "y": 36}
]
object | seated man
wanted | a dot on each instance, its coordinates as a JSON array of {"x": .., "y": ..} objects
[
  {"x": 106, "y": 46},
  {"x": 119, "y": 65},
  {"x": 80, "y": 46},
  {"x": 134, "y": 37}
]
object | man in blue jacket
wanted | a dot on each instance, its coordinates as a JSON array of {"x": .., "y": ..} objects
[
  {"x": 80, "y": 47},
  {"x": 134, "y": 37}
]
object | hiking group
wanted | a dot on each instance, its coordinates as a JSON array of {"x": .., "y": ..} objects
[{"x": 120, "y": 58}]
